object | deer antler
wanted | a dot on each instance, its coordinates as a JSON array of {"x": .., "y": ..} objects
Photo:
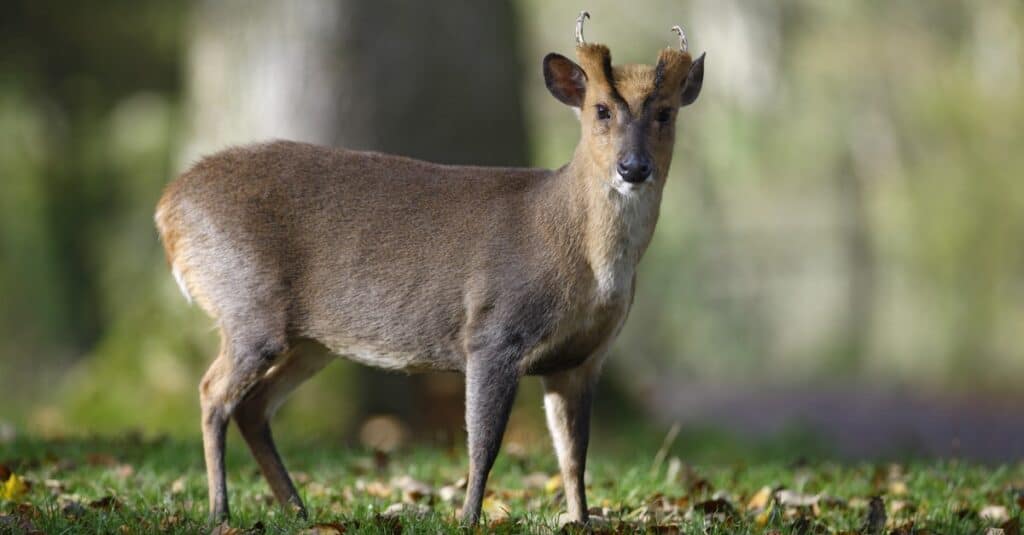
[
  {"x": 579, "y": 27},
  {"x": 678, "y": 30}
]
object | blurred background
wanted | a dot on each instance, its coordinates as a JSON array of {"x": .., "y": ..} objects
[{"x": 840, "y": 251}]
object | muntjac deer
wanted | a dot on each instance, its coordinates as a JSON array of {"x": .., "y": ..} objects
[{"x": 302, "y": 253}]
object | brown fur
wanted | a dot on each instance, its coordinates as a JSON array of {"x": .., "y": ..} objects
[{"x": 302, "y": 251}]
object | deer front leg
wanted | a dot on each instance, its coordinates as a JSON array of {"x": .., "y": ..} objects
[
  {"x": 567, "y": 397},
  {"x": 491, "y": 382}
]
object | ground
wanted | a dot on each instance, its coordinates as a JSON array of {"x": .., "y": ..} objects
[{"x": 134, "y": 485}]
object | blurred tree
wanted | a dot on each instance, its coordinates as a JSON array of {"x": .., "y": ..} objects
[{"x": 63, "y": 197}]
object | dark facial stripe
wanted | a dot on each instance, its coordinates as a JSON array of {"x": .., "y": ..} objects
[
  {"x": 610, "y": 78},
  {"x": 659, "y": 79}
]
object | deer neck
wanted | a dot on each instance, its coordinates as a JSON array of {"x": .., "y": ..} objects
[{"x": 617, "y": 223}]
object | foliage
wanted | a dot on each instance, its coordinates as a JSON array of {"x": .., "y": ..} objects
[
  {"x": 132, "y": 485},
  {"x": 845, "y": 202}
]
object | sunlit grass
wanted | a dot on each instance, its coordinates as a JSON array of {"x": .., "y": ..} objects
[{"x": 129, "y": 485}]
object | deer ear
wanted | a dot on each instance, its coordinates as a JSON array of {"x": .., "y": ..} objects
[
  {"x": 565, "y": 79},
  {"x": 694, "y": 80}
]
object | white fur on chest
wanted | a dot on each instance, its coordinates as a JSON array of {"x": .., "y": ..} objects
[{"x": 632, "y": 222}]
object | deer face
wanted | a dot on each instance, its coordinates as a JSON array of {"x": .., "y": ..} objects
[{"x": 627, "y": 113}]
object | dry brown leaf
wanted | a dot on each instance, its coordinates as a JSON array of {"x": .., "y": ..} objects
[
  {"x": 100, "y": 459},
  {"x": 170, "y": 522},
  {"x": 107, "y": 502},
  {"x": 317, "y": 489},
  {"x": 225, "y": 529},
  {"x": 715, "y": 506},
  {"x": 15, "y": 524},
  {"x": 535, "y": 480},
  {"x": 374, "y": 488},
  {"x": 412, "y": 490},
  {"x": 325, "y": 528}
]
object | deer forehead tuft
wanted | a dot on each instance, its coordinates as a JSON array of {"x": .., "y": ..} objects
[{"x": 634, "y": 82}]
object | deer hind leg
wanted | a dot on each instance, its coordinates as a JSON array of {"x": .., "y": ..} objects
[
  {"x": 238, "y": 367},
  {"x": 255, "y": 410}
]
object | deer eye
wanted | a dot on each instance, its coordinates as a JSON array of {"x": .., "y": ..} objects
[
  {"x": 664, "y": 115},
  {"x": 603, "y": 112}
]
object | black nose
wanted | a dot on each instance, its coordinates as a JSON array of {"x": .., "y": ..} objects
[{"x": 634, "y": 167}]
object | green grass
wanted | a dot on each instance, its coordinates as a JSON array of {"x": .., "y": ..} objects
[{"x": 130, "y": 485}]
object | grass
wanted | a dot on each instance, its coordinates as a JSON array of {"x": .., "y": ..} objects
[{"x": 132, "y": 485}]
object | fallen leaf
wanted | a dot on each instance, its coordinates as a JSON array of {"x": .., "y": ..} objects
[
  {"x": 495, "y": 509},
  {"x": 54, "y": 486},
  {"x": 13, "y": 488},
  {"x": 374, "y": 488},
  {"x": 715, "y": 506},
  {"x": 448, "y": 493},
  {"x": 897, "y": 488},
  {"x": 317, "y": 489},
  {"x": 396, "y": 510},
  {"x": 553, "y": 484},
  {"x": 325, "y": 528},
  {"x": 14, "y": 524},
  {"x": 789, "y": 498},
  {"x": 535, "y": 480},
  {"x": 100, "y": 459},
  {"x": 994, "y": 513},
  {"x": 107, "y": 502},
  {"x": 760, "y": 499},
  {"x": 170, "y": 522},
  {"x": 765, "y": 515},
  {"x": 225, "y": 529},
  {"x": 902, "y": 506},
  {"x": 412, "y": 490}
]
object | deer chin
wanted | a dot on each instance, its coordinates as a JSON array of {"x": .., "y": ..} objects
[{"x": 627, "y": 189}]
